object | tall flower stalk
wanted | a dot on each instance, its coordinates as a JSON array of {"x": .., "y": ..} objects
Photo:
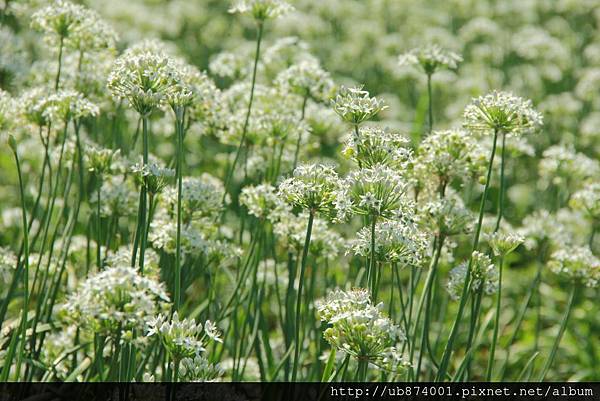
[{"x": 500, "y": 113}]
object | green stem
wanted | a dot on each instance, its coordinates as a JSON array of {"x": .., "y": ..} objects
[
  {"x": 248, "y": 112},
  {"x": 23, "y": 326},
  {"x": 60, "y": 52},
  {"x": 297, "y": 345},
  {"x": 561, "y": 331},
  {"x": 304, "y": 101},
  {"x": 488, "y": 376},
  {"x": 98, "y": 225},
  {"x": 372, "y": 275},
  {"x": 179, "y": 128},
  {"x": 143, "y": 198},
  {"x": 430, "y": 104},
  {"x": 454, "y": 331}
]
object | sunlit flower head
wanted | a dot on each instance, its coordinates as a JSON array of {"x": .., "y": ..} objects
[
  {"x": 372, "y": 146},
  {"x": 355, "y": 105},
  {"x": 576, "y": 263},
  {"x": 430, "y": 58},
  {"x": 502, "y": 112},
  {"x": 261, "y": 10}
]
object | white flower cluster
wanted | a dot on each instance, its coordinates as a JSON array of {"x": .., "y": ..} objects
[
  {"x": 116, "y": 299},
  {"x": 199, "y": 369},
  {"x": 147, "y": 81},
  {"x": 561, "y": 164},
  {"x": 201, "y": 198},
  {"x": 577, "y": 263},
  {"x": 502, "y": 112},
  {"x": 484, "y": 276},
  {"x": 8, "y": 265},
  {"x": 355, "y": 105},
  {"x": 261, "y": 9},
  {"x": 262, "y": 201},
  {"x": 448, "y": 155},
  {"x": 361, "y": 329},
  {"x": 80, "y": 28},
  {"x": 118, "y": 197},
  {"x": 291, "y": 232},
  {"x": 375, "y": 191},
  {"x": 398, "y": 241},
  {"x": 430, "y": 58},
  {"x": 306, "y": 78},
  {"x": 154, "y": 176},
  {"x": 66, "y": 105},
  {"x": 99, "y": 160},
  {"x": 371, "y": 146},
  {"x": 312, "y": 187},
  {"x": 504, "y": 242},
  {"x": 182, "y": 338},
  {"x": 588, "y": 201}
]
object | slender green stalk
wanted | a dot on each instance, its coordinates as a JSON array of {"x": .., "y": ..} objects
[
  {"x": 490, "y": 366},
  {"x": 304, "y": 101},
  {"x": 454, "y": 331},
  {"x": 143, "y": 198},
  {"x": 248, "y": 112},
  {"x": 561, "y": 331},
  {"x": 297, "y": 345},
  {"x": 98, "y": 224},
  {"x": 23, "y": 326},
  {"x": 179, "y": 128},
  {"x": 430, "y": 104},
  {"x": 427, "y": 294},
  {"x": 500, "y": 263},
  {"x": 372, "y": 275},
  {"x": 60, "y": 53}
]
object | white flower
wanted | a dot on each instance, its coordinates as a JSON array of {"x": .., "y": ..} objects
[
  {"x": 502, "y": 112},
  {"x": 430, "y": 58},
  {"x": 261, "y": 9},
  {"x": 355, "y": 105}
]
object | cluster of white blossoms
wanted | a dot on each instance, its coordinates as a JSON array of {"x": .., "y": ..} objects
[
  {"x": 115, "y": 300},
  {"x": 577, "y": 263},
  {"x": 78, "y": 27},
  {"x": 7, "y": 111},
  {"x": 430, "y": 58},
  {"x": 361, "y": 329},
  {"x": 375, "y": 191},
  {"x": 261, "y": 10},
  {"x": 99, "y": 160},
  {"x": 122, "y": 257},
  {"x": 32, "y": 105},
  {"x": 291, "y": 232},
  {"x": 504, "y": 242},
  {"x": 118, "y": 197},
  {"x": 153, "y": 175},
  {"x": 502, "y": 112},
  {"x": 371, "y": 146},
  {"x": 8, "y": 265},
  {"x": 355, "y": 105},
  {"x": 448, "y": 155},
  {"x": 66, "y": 105},
  {"x": 396, "y": 241},
  {"x": 182, "y": 338},
  {"x": 561, "y": 164},
  {"x": 446, "y": 217},
  {"x": 201, "y": 197},
  {"x": 483, "y": 276},
  {"x": 262, "y": 201},
  {"x": 199, "y": 369},
  {"x": 306, "y": 78},
  {"x": 313, "y": 187},
  {"x": 148, "y": 81},
  {"x": 588, "y": 201}
]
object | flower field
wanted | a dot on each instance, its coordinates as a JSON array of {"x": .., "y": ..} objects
[{"x": 262, "y": 190}]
